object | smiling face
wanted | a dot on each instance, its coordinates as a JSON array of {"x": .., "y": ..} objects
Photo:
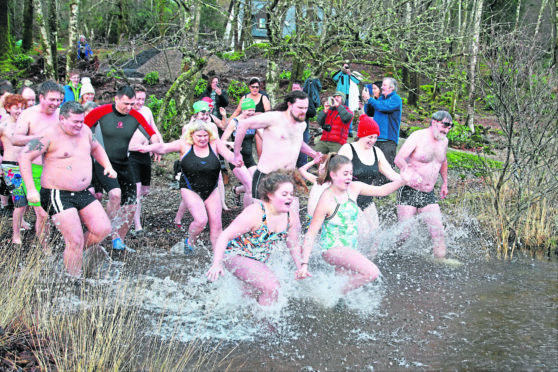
[
  {"x": 200, "y": 138},
  {"x": 248, "y": 113},
  {"x": 214, "y": 83},
  {"x": 368, "y": 141},
  {"x": 50, "y": 102},
  {"x": 282, "y": 198},
  {"x": 343, "y": 176},
  {"x": 298, "y": 109},
  {"x": 440, "y": 129},
  {"x": 74, "y": 79},
  {"x": 386, "y": 88},
  {"x": 140, "y": 100},
  {"x": 375, "y": 91},
  {"x": 88, "y": 97},
  {"x": 72, "y": 124},
  {"x": 124, "y": 104},
  {"x": 29, "y": 95},
  {"x": 15, "y": 110}
]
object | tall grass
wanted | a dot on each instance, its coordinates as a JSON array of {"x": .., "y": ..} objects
[{"x": 97, "y": 325}]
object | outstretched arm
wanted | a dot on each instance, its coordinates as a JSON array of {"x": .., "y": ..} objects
[
  {"x": 369, "y": 190},
  {"x": 34, "y": 148},
  {"x": 444, "y": 174},
  {"x": 162, "y": 148},
  {"x": 304, "y": 171}
]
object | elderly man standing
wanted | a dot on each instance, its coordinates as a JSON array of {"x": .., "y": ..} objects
[
  {"x": 387, "y": 113},
  {"x": 66, "y": 148},
  {"x": 424, "y": 155},
  {"x": 335, "y": 120}
]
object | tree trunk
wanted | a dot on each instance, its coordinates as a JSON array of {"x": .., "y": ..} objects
[
  {"x": 477, "y": 18},
  {"x": 45, "y": 41},
  {"x": 236, "y": 25},
  {"x": 228, "y": 27},
  {"x": 196, "y": 26},
  {"x": 71, "y": 54},
  {"x": 52, "y": 26},
  {"x": 6, "y": 48},
  {"x": 122, "y": 26},
  {"x": 27, "y": 40},
  {"x": 517, "y": 14},
  {"x": 414, "y": 87},
  {"x": 555, "y": 33},
  {"x": 544, "y": 4}
]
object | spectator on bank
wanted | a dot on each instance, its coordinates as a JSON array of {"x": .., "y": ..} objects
[
  {"x": 218, "y": 96},
  {"x": 347, "y": 83},
  {"x": 72, "y": 91},
  {"x": 334, "y": 120},
  {"x": 84, "y": 50},
  {"x": 87, "y": 91}
]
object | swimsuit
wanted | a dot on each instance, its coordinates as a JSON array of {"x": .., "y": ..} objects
[
  {"x": 340, "y": 229},
  {"x": 12, "y": 176},
  {"x": 259, "y": 243},
  {"x": 256, "y": 178},
  {"x": 37, "y": 171},
  {"x": 415, "y": 198},
  {"x": 56, "y": 201},
  {"x": 200, "y": 174},
  {"x": 246, "y": 150},
  {"x": 364, "y": 173}
]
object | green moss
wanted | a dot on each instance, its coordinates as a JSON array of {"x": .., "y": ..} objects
[
  {"x": 472, "y": 162},
  {"x": 233, "y": 56}
]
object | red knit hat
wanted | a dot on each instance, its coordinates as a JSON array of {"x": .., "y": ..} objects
[{"x": 367, "y": 127}]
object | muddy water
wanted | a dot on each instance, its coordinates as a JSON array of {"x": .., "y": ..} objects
[{"x": 420, "y": 315}]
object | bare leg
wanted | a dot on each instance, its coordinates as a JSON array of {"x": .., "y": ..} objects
[
  {"x": 196, "y": 206},
  {"x": 257, "y": 275},
  {"x": 221, "y": 187},
  {"x": 137, "y": 215},
  {"x": 433, "y": 218},
  {"x": 180, "y": 213},
  {"x": 42, "y": 228},
  {"x": 214, "y": 216},
  {"x": 17, "y": 220},
  {"x": 405, "y": 213},
  {"x": 359, "y": 269},
  {"x": 245, "y": 178},
  {"x": 69, "y": 224},
  {"x": 97, "y": 223},
  {"x": 113, "y": 207},
  {"x": 127, "y": 214}
]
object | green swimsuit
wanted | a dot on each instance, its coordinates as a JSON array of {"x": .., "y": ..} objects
[{"x": 340, "y": 229}]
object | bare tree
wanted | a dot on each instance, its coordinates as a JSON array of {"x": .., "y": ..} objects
[
  {"x": 71, "y": 54},
  {"x": 49, "y": 66},
  {"x": 477, "y": 19}
]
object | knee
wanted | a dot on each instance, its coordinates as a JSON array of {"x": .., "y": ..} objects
[
  {"x": 115, "y": 195},
  {"x": 372, "y": 273},
  {"x": 200, "y": 221},
  {"x": 271, "y": 288},
  {"x": 74, "y": 241},
  {"x": 102, "y": 230}
]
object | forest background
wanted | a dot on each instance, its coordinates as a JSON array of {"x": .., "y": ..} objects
[{"x": 474, "y": 58}]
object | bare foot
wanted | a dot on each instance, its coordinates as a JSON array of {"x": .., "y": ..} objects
[{"x": 25, "y": 225}]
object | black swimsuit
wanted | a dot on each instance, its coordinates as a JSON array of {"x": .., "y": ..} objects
[
  {"x": 246, "y": 149},
  {"x": 200, "y": 174},
  {"x": 364, "y": 173}
]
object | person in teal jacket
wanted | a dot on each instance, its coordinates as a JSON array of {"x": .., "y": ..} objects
[
  {"x": 343, "y": 78},
  {"x": 72, "y": 91}
]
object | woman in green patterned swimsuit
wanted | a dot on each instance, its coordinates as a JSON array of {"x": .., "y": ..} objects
[
  {"x": 336, "y": 214},
  {"x": 245, "y": 246}
]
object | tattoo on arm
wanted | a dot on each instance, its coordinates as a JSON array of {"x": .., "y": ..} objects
[{"x": 35, "y": 144}]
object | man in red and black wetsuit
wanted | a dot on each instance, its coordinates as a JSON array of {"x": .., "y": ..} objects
[{"x": 114, "y": 125}]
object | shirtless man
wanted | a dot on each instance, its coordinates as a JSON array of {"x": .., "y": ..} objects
[
  {"x": 282, "y": 141},
  {"x": 67, "y": 148},
  {"x": 140, "y": 163},
  {"x": 115, "y": 125},
  {"x": 29, "y": 94},
  {"x": 30, "y": 125},
  {"x": 424, "y": 155},
  {"x": 14, "y": 104}
]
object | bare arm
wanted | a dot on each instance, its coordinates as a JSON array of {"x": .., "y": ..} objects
[
  {"x": 444, "y": 174},
  {"x": 34, "y": 148},
  {"x": 317, "y": 221},
  {"x": 20, "y": 135},
  {"x": 405, "y": 152},
  {"x": 255, "y": 122},
  {"x": 163, "y": 148},
  {"x": 226, "y": 153},
  {"x": 238, "y": 109},
  {"x": 345, "y": 150},
  {"x": 306, "y": 149},
  {"x": 307, "y": 175},
  {"x": 228, "y": 131},
  {"x": 385, "y": 168},
  {"x": 266, "y": 103},
  {"x": 364, "y": 189},
  {"x": 100, "y": 155},
  {"x": 246, "y": 221}
]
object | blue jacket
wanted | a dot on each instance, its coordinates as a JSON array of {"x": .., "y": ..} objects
[
  {"x": 85, "y": 49},
  {"x": 343, "y": 80},
  {"x": 69, "y": 93},
  {"x": 387, "y": 113}
]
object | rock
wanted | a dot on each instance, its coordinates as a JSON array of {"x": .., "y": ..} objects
[
  {"x": 167, "y": 63},
  {"x": 216, "y": 66}
]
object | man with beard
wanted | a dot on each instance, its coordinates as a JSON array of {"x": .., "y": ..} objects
[
  {"x": 282, "y": 140},
  {"x": 424, "y": 155}
]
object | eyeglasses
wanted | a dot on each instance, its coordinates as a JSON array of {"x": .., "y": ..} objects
[
  {"x": 254, "y": 86},
  {"x": 447, "y": 124}
]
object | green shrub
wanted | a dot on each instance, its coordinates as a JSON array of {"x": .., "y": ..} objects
[
  {"x": 285, "y": 75},
  {"x": 471, "y": 162},
  {"x": 233, "y": 56},
  {"x": 200, "y": 87},
  {"x": 154, "y": 105},
  {"x": 23, "y": 61},
  {"x": 151, "y": 78},
  {"x": 113, "y": 74},
  {"x": 237, "y": 89}
]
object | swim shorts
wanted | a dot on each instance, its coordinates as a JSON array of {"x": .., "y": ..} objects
[
  {"x": 256, "y": 179},
  {"x": 12, "y": 176},
  {"x": 414, "y": 198},
  {"x": 56, "y": 201},
  {"x": 37, "y": 171},
  {"x": 140, "y": 167}
]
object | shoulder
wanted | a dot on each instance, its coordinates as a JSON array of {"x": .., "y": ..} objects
[{"x": 345, "y": 150}]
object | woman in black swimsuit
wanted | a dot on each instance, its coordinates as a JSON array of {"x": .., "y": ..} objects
[
  {"x": 200, "y": 173},
  {"x": 368, "y": 162}
]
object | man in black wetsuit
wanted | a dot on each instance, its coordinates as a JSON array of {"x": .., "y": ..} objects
[{"x": 114, "y": 125}]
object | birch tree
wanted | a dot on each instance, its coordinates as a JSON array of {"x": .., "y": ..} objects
[
  {"x": 477, "y": 19},
  {"x": 71, "y": 54},
  {"x": 27, "y": 39},
  {"x": 48, "y": 57}
]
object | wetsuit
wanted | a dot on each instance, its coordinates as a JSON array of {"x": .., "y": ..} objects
[
  {"x": 340, "y": 229},
  {"x": 200, "y": 174},
  {"x": 259, "y": 243},
  {"x": 364, "y": 173},
  {"x": 246, "y": 150},
  {"x": 114, "y": 131},
  {"x": 415, "y": 198}
]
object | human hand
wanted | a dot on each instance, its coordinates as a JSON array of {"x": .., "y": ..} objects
[
  {"x": 157, "y": 157},
  {"x": 237, "y": 162},
  {"x": 109, "y": 172},
  {"x": 33, "y": 196},
  {"x": 215, "y": 271},
  {"x": 317, "y": 157},
  {"x": 302, "y": 272},
  {"x": 218, "y": 91},
  {"x": 140, "y": 148},
  {"x": 444, "y": 191},
  {"x": 365, "y": 95},
  {"x": 222, "y": 111}
]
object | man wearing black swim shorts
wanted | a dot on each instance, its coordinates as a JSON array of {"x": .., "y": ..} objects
[
  {"x": 114, "y": 125},
  {"x": 424, "y": 155},
  {"x": 66, "y": 149}
]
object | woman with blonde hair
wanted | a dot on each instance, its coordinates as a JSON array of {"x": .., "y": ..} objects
[{"x": 199, "y": 162}]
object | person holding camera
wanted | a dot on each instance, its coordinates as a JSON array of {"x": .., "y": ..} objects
[{"x": 335, "y": 120}]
